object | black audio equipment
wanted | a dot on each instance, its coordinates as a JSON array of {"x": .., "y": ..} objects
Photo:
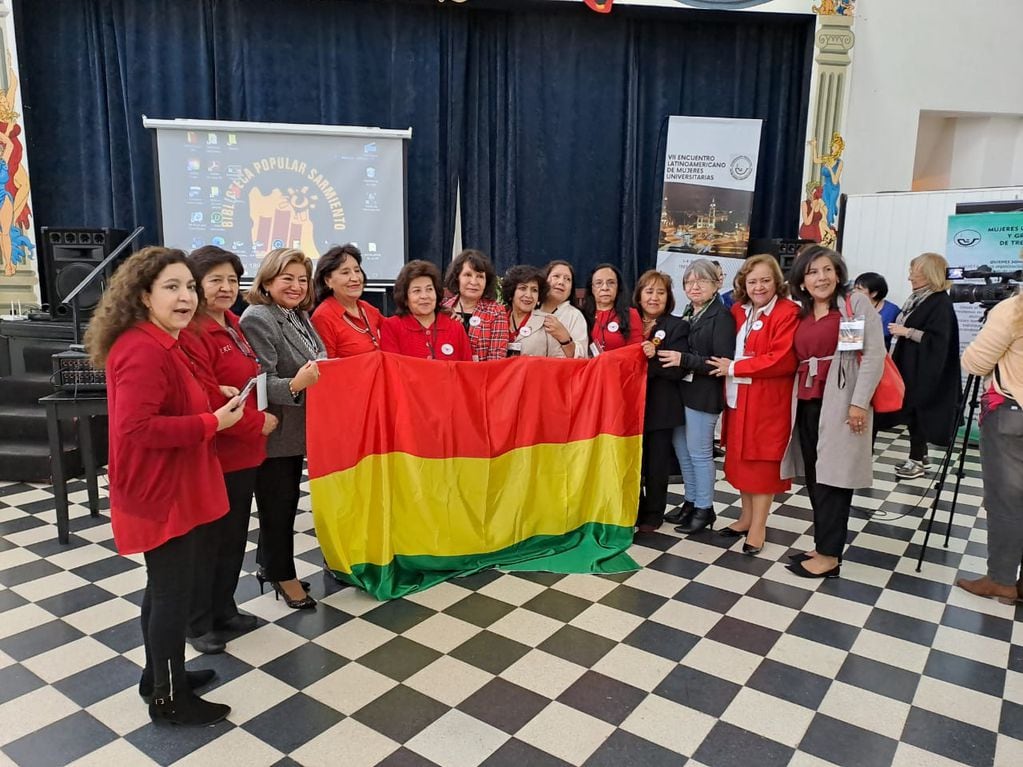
[
  {"x": 783, "y": 250},
  {"x": 69, "y": 255}
]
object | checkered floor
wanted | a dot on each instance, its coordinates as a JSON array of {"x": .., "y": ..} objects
[{"x": 703, "y": 657}]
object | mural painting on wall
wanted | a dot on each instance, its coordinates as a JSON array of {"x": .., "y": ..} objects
[
  {"x": 819, "y": 215},
  {"x": 15, "y": 214},
  {"x": 835, "y": 8}
]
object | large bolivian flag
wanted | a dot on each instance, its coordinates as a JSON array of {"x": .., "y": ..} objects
[{"x": 421, "y": 470}]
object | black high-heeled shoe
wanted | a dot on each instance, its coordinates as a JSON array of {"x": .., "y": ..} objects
[
  {"x": 751, "y": 551},
  {"x": 261, "y": 577},
  {"x": 802, "y": 557},
  {"x": 729, "y": 532},
  {"x": 306, "y": 603}
]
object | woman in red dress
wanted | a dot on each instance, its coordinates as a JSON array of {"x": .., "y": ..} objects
[
  {"x": 758, "y": 393},
  {"x": 612, "y": 322},
  {"x": 347, "y": 325}
]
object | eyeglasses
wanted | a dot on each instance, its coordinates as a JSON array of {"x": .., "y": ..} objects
[{"x": 698, "y": 282}]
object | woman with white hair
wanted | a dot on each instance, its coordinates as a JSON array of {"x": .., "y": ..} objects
[{"x": 712, "y": 334}]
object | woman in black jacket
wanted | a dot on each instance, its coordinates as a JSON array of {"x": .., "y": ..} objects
[
  {"x": 664, "y": 411},
  {"x": 925, "y": 349},
  {"x": 711, "y": 334}
]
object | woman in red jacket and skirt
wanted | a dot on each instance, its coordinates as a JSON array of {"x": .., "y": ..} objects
[
  {"x": 758, "y": 394},
  {"x": 164, "y": 478},
  {"x": 419, "y": 328}
]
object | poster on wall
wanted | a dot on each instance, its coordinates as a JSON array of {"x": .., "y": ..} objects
[
  {"x": 710, "y": 172},
  {"x": 983, "y": 252}
]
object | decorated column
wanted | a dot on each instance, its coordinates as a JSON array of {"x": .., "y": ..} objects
[{"x": 834, "y": 41}]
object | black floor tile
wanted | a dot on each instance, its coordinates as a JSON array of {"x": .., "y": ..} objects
[
  {"x": 1011, "y": 722},
  {"x": 965, "y": 672},
  {"x": 901, "y": 626},
  {"x": 62, "y": 742},
  {"x": 401, "y": 713},
  {"x": 404, "y": 758},
  {"x": 305, "y": 665},
  {"x": 479, "y": 610},
  {"x": 919, "y": 587},
  {"x": 795, "y": 685},
  {"x": 10, "y": 599},
  {"x": 400, "y": 658},
  {"x": 708, "y": 597},
  {"x": 226, "y": 666},
  {"x": 165, "y": 743},
  {"x": 293, "y": 722},
  {"x": 28, "y": 522},
  {"x": 662, "y": 640},
  {"x": 879, "y": 677},
  {"x": 557, "y": 605},
  {"x": 490, "y": 652},
  {"x": 730, "y": 746},
  {"x": 543, "y": 579},
  {"x": 977, "y": 623},
  {"x": 698, "y": 690},
  {"x": 845, "y": 588},
  {"x": 30, "y": 571},
  {"x": 739, "y": 562},
  {"x": 476, "y": 581},
  {"x": 16, "y": 680},
  {"x": 398, "y": 615},
  {"x": 100, "y": 681},
  {"x": 658, "y": 541},
  {"x": 679, "y": 566},
  {"x": 105, "y": 568},
  {"x": 746, "y": 636},
  {"x": 578, "y": 646},
  {"x": 40, "y": 639},
  {"x": 878, "y": 559},
  {"x": 504, "y": 705},
  {"x": 74, "y": 600},
  {"x": 602, "y": 697},
  {"x": 824, "y": 631},
  {"x": 123, "y": 636},
  {"x": 847, "y": 745},
  {"x": 515, "y": 753},
  {"x": 313, "y": 623},
  {"x": 632, "y": 600},
  {"x": 950, "y": 738},
  {"x": 624, "y": 748}
]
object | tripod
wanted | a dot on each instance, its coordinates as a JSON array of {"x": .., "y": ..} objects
[{"x": 970, "y": 395}]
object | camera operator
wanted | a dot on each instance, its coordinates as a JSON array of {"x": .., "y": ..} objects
[{"x": 997, "y": 354}]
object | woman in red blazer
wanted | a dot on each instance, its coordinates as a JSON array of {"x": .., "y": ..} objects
[
  {"x": 418, "y": 328},
  {"x": 164, "y": 478},
  {"x": 758, "y": 393},
  {"x": 225, "y": 362},
  {"x": 347, "y": 325}
]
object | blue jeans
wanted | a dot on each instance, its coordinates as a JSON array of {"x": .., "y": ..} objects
[{"x": 694, "y": 447}]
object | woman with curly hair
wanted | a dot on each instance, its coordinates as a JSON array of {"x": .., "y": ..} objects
[
  {"x": 164, "y": 477},
  {"x": 524, "y": 290},
  {"x": 472, "y": 282}
]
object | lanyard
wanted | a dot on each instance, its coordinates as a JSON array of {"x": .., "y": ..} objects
[
  {"x": 432, "y": 345},
  {"x": 515, "y": 328},
  {"x": 240, "y": 342},
  {"x": 612, "y": 317},
  {"x": 367, "y": 331}
]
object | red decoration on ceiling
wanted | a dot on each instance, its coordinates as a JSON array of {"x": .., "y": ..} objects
[{"x": 600, "y": 6}]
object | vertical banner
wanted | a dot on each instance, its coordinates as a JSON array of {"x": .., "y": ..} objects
[
  {"x": 982, "y": 243},
  {"x": 710, "y": 173}
]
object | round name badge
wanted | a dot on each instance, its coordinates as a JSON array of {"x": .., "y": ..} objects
[
  {"x": 526, "y": 332},
  {"x": 758, "y": 324},
  {"x": 613, "y": 327},
  {"x": 447, "y": 349},
  {"x": 475, "y": 321},
  {"x": 659, "y": 335}
]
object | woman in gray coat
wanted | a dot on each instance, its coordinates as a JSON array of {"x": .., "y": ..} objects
[
  {"x": 840, "y": 347},
  {"x": 279, "y": 331}
]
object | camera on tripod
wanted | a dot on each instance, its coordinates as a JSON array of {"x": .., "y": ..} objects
[{"x": 990, "y": 293}]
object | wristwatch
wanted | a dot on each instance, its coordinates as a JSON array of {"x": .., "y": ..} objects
[{"x": 566, "y": 343}]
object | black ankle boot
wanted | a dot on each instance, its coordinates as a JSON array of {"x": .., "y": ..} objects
[
  {"x": 195, "y": 680},
  {"x": 680, "y": 515},
  {"x": 700, "y": 519},
  {"x": 187, "y": 710}
]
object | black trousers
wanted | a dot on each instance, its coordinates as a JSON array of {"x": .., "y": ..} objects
[
  {"x": 221, "y": 551},
  {"x": 830, "y": 504},
  {"x": 277, "y": 481},
  {"x": 170, "y": 570},
  {"x": 656, "y": 467}
]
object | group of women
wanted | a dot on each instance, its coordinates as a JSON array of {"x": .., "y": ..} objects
[{"x": 188, "y": 455}]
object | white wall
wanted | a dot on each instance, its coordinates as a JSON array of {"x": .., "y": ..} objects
[{"x": 940, "y": 55}]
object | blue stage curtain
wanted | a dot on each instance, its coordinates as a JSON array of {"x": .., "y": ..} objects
[
  {"x": 567, "y": 117},
  {"x": 552, "y": 117}
]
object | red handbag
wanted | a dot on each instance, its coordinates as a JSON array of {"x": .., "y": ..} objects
[{"x": 891, "y": 389}]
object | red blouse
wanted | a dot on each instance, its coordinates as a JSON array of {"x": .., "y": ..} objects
[
  {"x": 344, "y": 335},
  {"x": 224, "y": 358},
  {"x": 607, "y": 333},
  {"x": 164, "y": 476},
  {"x": 815, "y": 338},
  {"x": 444, "y": 340}
]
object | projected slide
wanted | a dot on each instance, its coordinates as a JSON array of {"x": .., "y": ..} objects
[{"x": 253, "y": 187}]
